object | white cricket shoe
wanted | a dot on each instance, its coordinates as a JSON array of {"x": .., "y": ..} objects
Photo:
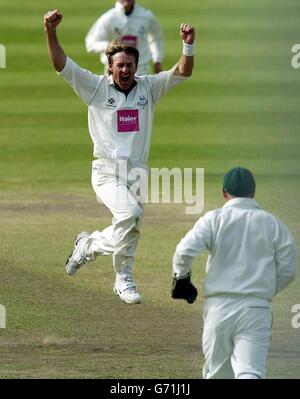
[
  {"x": 77, "y": 258},
  {"x": 127, "y": 291}
]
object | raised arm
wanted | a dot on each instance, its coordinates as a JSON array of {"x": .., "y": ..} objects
[
  {"x": 186, "y": 63},
  {"x": 57, "y": 55}
]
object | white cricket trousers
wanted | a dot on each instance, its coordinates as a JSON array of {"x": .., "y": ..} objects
[
  {"x": 121, "y": 238},
  {"x": 236, "y": 337}
]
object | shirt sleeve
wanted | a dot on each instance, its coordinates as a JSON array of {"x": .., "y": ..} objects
[
  {"x": 285, "y": 258},
  {"x": 98, "y": 38},
  {"x": 83, "y": 82},
  {"x": 195, "y": 242},
  {"x": 155, "y": 40},
  {"x": 163, "y": 82}
]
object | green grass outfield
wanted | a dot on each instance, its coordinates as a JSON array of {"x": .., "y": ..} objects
[{"x": 241, "y": 107}]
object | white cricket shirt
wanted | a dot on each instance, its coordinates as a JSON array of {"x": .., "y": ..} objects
[
  {"x": 139, "y": 29},
  {"x": 251, "y": 251},
  {"x": 120, "y": 126}
]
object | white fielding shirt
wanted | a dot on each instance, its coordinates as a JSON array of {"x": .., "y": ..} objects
[
  {"x": 120, "y": 126},
  {"x": 251, "y": 251},
  {"x": 140, "y": 29}
]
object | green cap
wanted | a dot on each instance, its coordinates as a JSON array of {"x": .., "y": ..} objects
[{"x": 239, "y": 182}]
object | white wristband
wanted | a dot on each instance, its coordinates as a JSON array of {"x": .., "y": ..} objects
[{"x": 188, "y": 49}]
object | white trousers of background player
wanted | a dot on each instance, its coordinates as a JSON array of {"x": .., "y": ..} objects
[
  {"x": 121, "y": 238},
  {"x": 236, "y": 337}
]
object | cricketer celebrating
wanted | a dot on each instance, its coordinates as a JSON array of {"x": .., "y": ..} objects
[
  {"x": 133, "y": 25},
  {"x": 120, "y": 110},
  {"x": 252, "y": 258}
]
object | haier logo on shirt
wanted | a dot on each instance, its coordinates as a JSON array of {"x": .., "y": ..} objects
[
  {"x": 130, "y": 40},
  {"x": 128, "y": 120}
]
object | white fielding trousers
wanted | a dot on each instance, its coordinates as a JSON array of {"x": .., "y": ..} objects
[
  {"x": 121, "y": 238},
  {"x": 236, "y": 337}
]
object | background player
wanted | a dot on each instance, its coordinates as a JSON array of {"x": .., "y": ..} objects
[{"x": 130, "y": 24}]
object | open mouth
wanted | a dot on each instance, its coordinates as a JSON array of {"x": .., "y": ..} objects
[{"x": 124, "y": 79}]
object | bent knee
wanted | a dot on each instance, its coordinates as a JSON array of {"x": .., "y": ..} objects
[{"x": 136, "y": 212}]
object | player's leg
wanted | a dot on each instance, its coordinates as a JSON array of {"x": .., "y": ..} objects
[
  {"x": 252, "y": 341},
  {"x": 217, "y": 342},
  {"x": 124, "y": 255},
  {"x": 81, "y": 253},
  {"x": 121, "y": 238}
]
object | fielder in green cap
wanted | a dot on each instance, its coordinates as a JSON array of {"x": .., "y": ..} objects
[
  {"x": 239, "y": 182},
  {"x": 252, "y": 257}
]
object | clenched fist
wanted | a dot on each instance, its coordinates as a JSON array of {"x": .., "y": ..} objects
[
  {"x": 187, "y": 33},
  {"x": 51, "y": 20}
]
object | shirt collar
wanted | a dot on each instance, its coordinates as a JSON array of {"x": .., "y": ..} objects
[
  {"x": 110, "y": 80},
  {"x": 240, "y": 202}
]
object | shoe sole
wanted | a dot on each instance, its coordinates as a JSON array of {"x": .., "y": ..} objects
[
  {"x": 69, "y": 258},
  {"x": 116, "y": 291}
]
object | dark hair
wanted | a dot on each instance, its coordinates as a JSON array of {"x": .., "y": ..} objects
[{"x": 118, "y": 47}]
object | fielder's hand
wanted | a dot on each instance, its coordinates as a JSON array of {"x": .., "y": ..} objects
[
  {"x": 51, "y": 20},
  {"x": 187, "y": 33},
  {"x": 184, "y": 289}
]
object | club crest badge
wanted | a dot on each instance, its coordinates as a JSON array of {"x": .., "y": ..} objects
[{"x": 142, "y": 101}]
